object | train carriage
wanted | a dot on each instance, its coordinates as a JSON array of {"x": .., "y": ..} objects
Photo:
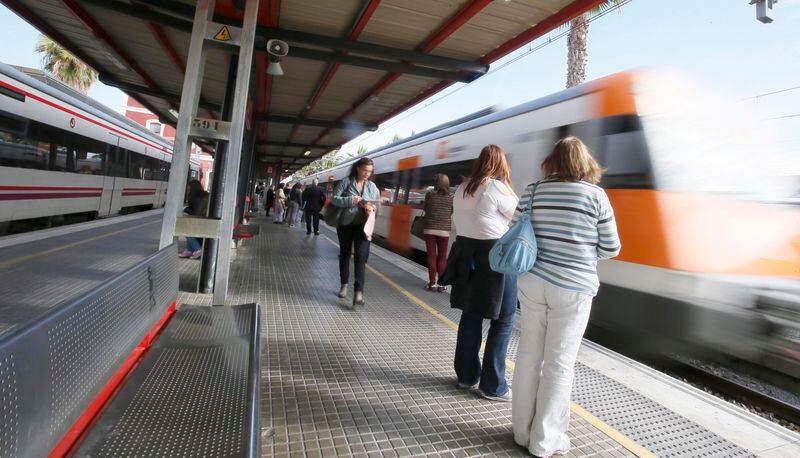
[
  {"x": 710, "y": 235},
  {"x": 61, "y": 153}
]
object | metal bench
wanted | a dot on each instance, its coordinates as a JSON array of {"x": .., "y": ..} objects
[
  {"x": 194, "y": 394},
  {"x": 60, "y": 370}
]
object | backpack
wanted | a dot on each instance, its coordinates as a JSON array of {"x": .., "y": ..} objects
[{"x": 515, "y": 252}]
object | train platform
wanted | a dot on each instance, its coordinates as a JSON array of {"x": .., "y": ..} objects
[
  {"x": 378, "y": 380},
  {"x": 45, "y": 268}
]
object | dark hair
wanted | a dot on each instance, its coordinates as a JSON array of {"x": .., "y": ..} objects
[
  {"x": 360, "y": 163},
  {"x": 296, "y": 186}
]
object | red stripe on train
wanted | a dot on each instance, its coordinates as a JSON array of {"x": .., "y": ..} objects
[
  {"x": 50, "y": 195},
  {"x": 85, "y": 118},
  {"x": 134, "y": 193},
  {"x": 46, "y": 188}
]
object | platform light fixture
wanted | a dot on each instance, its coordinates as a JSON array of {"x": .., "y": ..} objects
[{"x": 307, "y": 153}]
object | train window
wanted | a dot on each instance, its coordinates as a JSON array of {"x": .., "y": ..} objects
[
  {"x": 18, "y": 148},
  {"x": 90, "y": 157},
  {"x": 142, "y": 167},
  {"x": 622, "y": 151},
  {"x": 386, "y": 185},
  {"x": 117, "y": 162}
]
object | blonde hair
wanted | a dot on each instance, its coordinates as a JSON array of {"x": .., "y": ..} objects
[
  {"x": 491, "y": 163},
  {"x": 441, "y": 184},
  {"x": 571, "y": 160}
]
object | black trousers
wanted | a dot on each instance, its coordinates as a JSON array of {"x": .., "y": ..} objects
[
  {"x": 312, "y": 215},
  {"x": 353, "y": 236}
]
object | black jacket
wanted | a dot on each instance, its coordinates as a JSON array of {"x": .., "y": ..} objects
[
  {"x": 314, "y": 198},
  {"x": 477, "y": 289},
  {"x": 296, "y": 196}
]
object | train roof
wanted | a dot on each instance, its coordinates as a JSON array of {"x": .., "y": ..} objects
[
  {"x": 43, "y": 82},
  {"x": 471, "y": 121}
]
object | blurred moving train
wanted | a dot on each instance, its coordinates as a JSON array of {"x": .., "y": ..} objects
[
  {"x": 709, "y": 221},
  {"x": 61, "y": 153}
]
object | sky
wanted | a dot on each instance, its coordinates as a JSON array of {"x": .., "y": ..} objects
[{"x": 718, "y": 41}]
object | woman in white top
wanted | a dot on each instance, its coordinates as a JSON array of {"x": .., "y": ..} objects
[{"x": 483, "y": 207}]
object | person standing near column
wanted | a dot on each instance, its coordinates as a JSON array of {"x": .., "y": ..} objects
[
  {"x": 574, "y": 226},
  {"x": 482, "y": 209},
  {"x": 313, "y": 201},
  {"x": 295, "y": 200},
  {"x": 358, "y": 197},
  {"x": 270, "y": 199}
]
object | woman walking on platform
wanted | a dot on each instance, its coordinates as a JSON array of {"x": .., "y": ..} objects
[
  {"x": 438, "y": 218},
  {"x": 574, "y": 226},
  {"x": 280, "y": 200},
  {"x": 482, "y": 209},
  {"x": 358, "y": 198}
]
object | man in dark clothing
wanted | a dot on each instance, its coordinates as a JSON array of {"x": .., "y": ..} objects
[
  {"x": 313, "y": 201},
  {"x": 270, "y": 198}
]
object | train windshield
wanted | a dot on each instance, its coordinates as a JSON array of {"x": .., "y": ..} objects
[{"x": 703, "y": 141}]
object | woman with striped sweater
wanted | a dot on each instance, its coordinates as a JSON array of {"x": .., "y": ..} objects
[
  {"x": 438, "y": 217},
  {"x": 574, "y": 226}
]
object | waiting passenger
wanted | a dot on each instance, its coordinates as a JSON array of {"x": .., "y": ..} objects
[
  {"x": 270, "y": 199},
  {"x": 295, "y": 201},
  {"x": 313, "y": 201},
  {"x": 197, "y": 205},
  {"x": 482, "y": 210},
  {"x": 358, "y": 197},
  {"x": 438, "y": 218},
  {"x": 280, "y": 200},
  {"x": 574, "y": 226}
]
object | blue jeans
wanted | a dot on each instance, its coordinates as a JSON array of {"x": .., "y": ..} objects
[
  {"x": 492, "y": 375},
  {"x": 193, "y": 244}
]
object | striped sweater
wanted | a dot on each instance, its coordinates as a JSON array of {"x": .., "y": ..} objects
[
  {"x": 574, "y": 227},
  {"x": 438, "y": 211}
]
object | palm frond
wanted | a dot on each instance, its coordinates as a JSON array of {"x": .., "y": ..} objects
[{"x": 64, "y": 66}]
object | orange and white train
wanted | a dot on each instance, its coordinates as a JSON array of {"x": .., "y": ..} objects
[
  {"x": 61, "y": 153},
  {"x": 708, "y": 215}
]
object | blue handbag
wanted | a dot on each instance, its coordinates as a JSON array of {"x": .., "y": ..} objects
[{"x": 515, "y": 252}]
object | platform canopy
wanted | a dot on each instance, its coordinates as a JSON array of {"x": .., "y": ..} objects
[{"x": 351, "y": 64}]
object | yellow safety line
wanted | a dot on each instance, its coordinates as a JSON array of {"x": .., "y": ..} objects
[
  {"x": 599, "y": 424},
  {"x": 19, "y": 259}
]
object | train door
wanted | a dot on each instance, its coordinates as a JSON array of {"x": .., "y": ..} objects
[
  {"x": 116, "y": 173},
  {"x": 401, "y": 211}
]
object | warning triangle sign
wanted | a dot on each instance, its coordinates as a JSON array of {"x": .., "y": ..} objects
[{"x": 224, "y": 34}]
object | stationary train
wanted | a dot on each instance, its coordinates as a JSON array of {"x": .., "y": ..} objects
[
  {"x": 62, "y": 153},
  {"x": 708, "y": 217}
]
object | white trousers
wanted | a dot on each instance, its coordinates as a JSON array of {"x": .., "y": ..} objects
[{"x": 553, "y": 322}]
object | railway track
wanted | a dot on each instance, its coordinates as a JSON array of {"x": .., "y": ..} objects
[{"x": 734, "y": 390}]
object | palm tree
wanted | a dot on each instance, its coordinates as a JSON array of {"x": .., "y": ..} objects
[
  {"x": 63, "y": 65},
  {"x": 576, "y": 43}
]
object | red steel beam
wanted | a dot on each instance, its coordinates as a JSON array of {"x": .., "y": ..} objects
[
  {"x": 444, "y": 31},
  {"x": 100, "y": 33},
  {"x": 553, "y": 21},
  {"x": 364, "y": 16}
]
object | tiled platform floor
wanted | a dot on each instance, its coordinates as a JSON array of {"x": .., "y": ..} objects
[{"x": 370, "y": 381}]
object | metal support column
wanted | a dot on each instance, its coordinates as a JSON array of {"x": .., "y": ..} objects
[
  {"x": 205, "y": 33},
  {"x": 248, "y": 36},
  {"x": 190, "y": 97},
  {"x": 208, "y": 262}
]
